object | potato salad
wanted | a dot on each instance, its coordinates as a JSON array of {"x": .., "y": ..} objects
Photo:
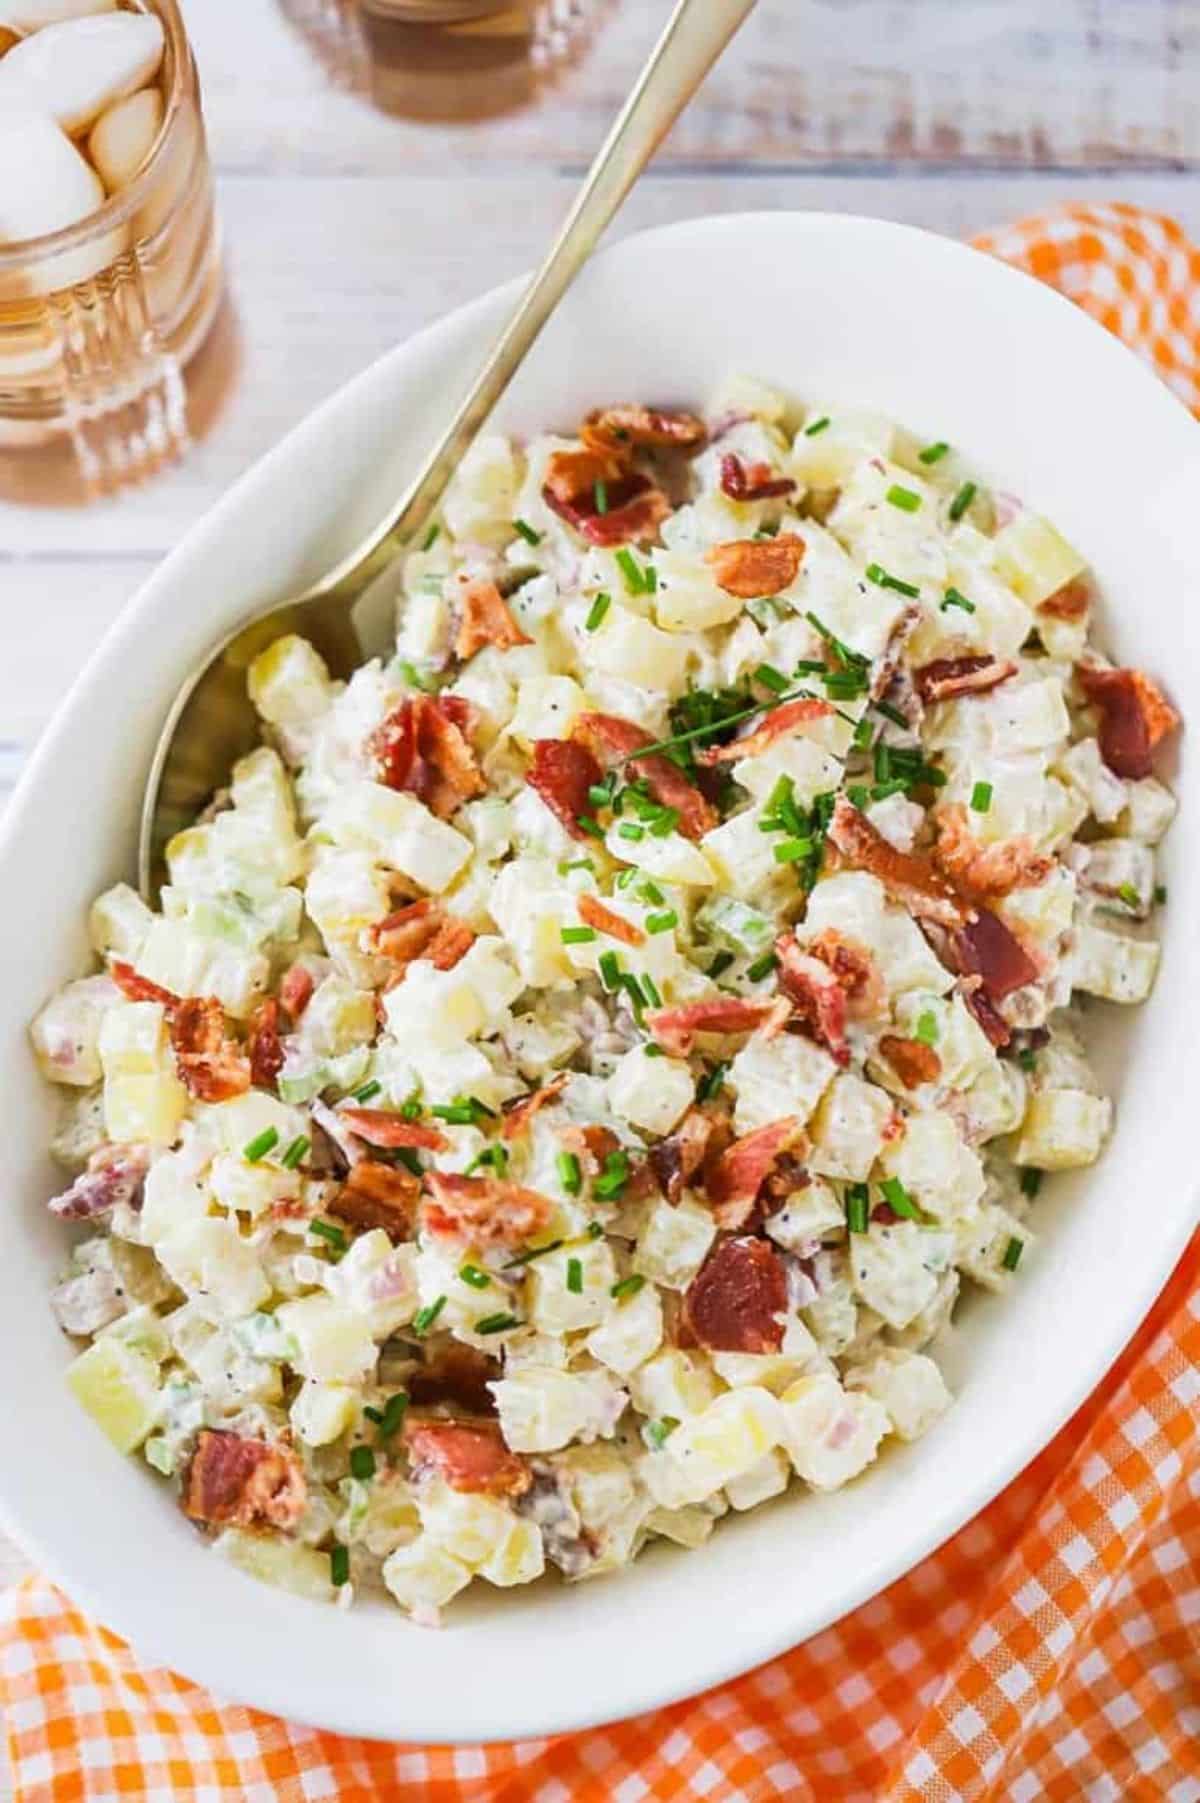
[{"x": 582, "y": 1062}]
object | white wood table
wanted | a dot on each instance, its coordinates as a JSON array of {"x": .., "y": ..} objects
[{"x": 347, "y": 228}]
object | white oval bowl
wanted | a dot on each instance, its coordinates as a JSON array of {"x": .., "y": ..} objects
[{"x": 846, "y": 311}]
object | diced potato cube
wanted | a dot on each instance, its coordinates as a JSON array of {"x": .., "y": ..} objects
[
  {"x": 942, "y": 1174},
  {"x": 211, "y": 1262},
  {"x": 518, "y": 1558},
  {"x": 773, "y": 1371},
  {"x": 776, "y": 1078},
  {"x": 335, "y": 1343},
  {"x": 189, "y": 963},
  {"x": 119, "y": 921},
  {"x": 424, "y": 1575},
  {"x": 806, "y": 1215},
  {"x": 671, "y": 859},
  {"x": 444, "y": 1007},
  {"x": 626, "y": 645},
  {"x": 651, "y": 1093},
  {"x": 825, "y": 459},
  {"x": 553, "y": 1306},
  {"x": 770, "y": 1477},
  {"x": 733, "y": 1434},
  {"x": 910, "y": 1387},
  {"x": 289, "y": 682},
  {"x": 133, "y": 1039},
  {"x": 147, "y": 1109},
  {"x": 688, "y": 599},
  {"x": 66, "y": 1034},
  {"x": 119, "y": 1388},
  {"x": 896, "y": 1268},
  {"x": 345, "y": 893},
  {"x": 287, "y": 1564},
  {"x": 542, "y": 1409},
  {"x": 742, "y": 858},
  {"x": 1149, "y": 809},
  {"x": 631, "y": 1332},
  {"x": 672, "y": 1383},
  {"x": 1034, "y": 558},
  {"x": 1113, "y": 965},
  {"x": 481, "y": 501},
  {"x": 847, "y": 1130},
  {"x": 831, "y": 1435},
  {"x": 673, "y": 1242},
  {"x": 399, "y": 831},
  {"x": 688, "y": 1527},
  {"x": 1063, "y": 1128},
  {"x": 990, "y": 1244},
  {"x": 322, "y": 1413},
  {"x": 547, "y": 707}
]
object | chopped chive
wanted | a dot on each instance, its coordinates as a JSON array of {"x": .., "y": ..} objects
[
  {"x": 362, "y": 1462},
  {"x": 260, "y": 1145},
  {"x": 366, "y": 1090},
  {"x": 858, "y": 795},
  {"x": 818, "y": 425},
  {"x": 415, "y": 679},
  {"x": 576, "y": 864},
  {"x": 629, "y": 829},
  {"x": 662, "y": 923},
  {"x": 762, "y": 967},
  {"x": 613, "y": 1177},
  {"x": 1129, "y": 895},
  {"x": 597, "y": 611},
  {"x": 610, "y": 971},
  {"x": 898, "y": 1198},
  {"x": 478, "y": 1280},
  {"x": 876, "y": 573},
  {"x": 711, "y": 1083},
  {"x": 771, "y": 678},
  {"x": 393, "y": 1414},
  {"x": 1012, "y": 1253},
  {"x": 339, "y": 1566},
  {"x": 882, "y": 791},
  {"x": 650, "y": 988},
  {"x": 649, "y": 580},
  {"x": 962, "y": 500},
  {"x": 424, "y": 1318},
  {"x": 628, "y": 1286},
  {"x": 891, "y": 713},
  {"x": 627, "y": 564},
  {"x": 955, "y": 598},
  {"x": 527, "y": 1258},
  {"x": 1160, "y": 894},
  {"x": 328, "y": 1231},
  {"x": 981, "y": 798},
  {"x": 857, "y": 1208},
  {"x": 587, "y": 823},
  {"x": 600, "y": 794},
  {"x": 527, "y": 532},
  {"x": 600, "y": 494},
  {"x": 410, "y": 1158},
  {"x": 431, "y": 537},
  {"x": 297, "y": 1152},
  {"x": 575, "y": 1276},
  {"x": 653, "y": 1051},
  {"x": 570, "y": 1174},
  {"x": 463, "y": 1111},
  {"x": 927, "y": 1027},
  {"x": 790, "y": 851},
  {"x": 1027, "y": 1058},
  {"x": 654, "y": 1433},
  {"x": 497, "y": 1323},
  {"x": 933, "y": 453},
  {"x": 650, "y": 892},
  {"x": 1031, "y": 1182},
  {"x": 577, "y": 935},
  {"x": 906, "y": 499},
  {"x": 595, "y": 1230},
  {"x": 862, "y": 734},
  {"x": 720, "y": 964}
]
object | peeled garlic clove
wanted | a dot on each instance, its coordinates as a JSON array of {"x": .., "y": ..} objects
[
  {"x": 77, "y": 70},
  {"x": 24, "y": 16},
  {"x": 120, "y": 140},
  {"x": 44, "y": 182}
]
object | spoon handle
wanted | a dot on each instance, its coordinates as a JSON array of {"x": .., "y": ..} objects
[{"x": 694, "y": 37}]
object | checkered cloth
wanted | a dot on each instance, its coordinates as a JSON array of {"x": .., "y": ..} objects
[{"x": 1048, "y": 1653}]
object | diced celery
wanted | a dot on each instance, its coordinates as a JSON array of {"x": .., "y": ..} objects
[
  {"x": 745, "y": 929},
  {"x": 262, "y": 1337}
]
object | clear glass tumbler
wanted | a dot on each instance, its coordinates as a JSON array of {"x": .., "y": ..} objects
[{"x": 101, "y": 322}]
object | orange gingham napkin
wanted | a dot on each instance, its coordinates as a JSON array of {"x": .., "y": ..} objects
[{"x": 1049, "y": 1653}]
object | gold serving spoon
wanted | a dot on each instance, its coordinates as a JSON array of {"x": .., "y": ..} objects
[{"x": 212, "y": 723}]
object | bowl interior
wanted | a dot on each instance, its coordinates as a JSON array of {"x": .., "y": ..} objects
[{"x": 845, "y": 312}]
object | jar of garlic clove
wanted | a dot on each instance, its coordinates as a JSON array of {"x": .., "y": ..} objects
[{"x": 110, "y": 276}]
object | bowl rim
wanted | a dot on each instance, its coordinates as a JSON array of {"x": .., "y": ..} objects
[{"x": 626, "y": 1693}]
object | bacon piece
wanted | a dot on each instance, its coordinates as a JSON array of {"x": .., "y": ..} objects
[
  {"x": 752, "y": 567},
  {"x": 139, "y": 989},
  {"x": 593, "y": 913},
  {"x": 1135, "y": 717},
  {"x": 421, "y": 749},
  {"x": 780, "y": 723},
  {"x": 996, "y": 1029},
  {"x": 562, "y": 772},
  {"x": 115, "y": 1177},
  {"x": 378, "y": 1195},
  {"x": 486, "y": 620},
  {"x": 266, "y": 1047},
  {"x": 295, "y": 991},
  {"x": 380, "y": 1127},
  {"x": 233, "y": 1481},
  {"x": 665, "y": 428},
  {"x": 634, "y": 507},
  {"x": 987, "y": 948},
  {"x": 451, "y": 943},
  {"x": 611, "y": 740},
  {"x": 211, "y": 1065},
  {"x": 887, "y": 664},
  {"x": 739, "y": 1173},
  {"x": 517, "y": 1118},
  {"x": 420, "y": 929},
  {"x": 819, "y": 998},
  {"x": 947, "y": 677},
  {"x": 456, "y": 1374},
  {"x": 909, "y": 877},
  {"x": 675, "y": 1029},
  {"x": 469, "y": 1456},
  {"x": 1070, "y": 602},
  {"x": 737, "y": 1298},
  {"x": 913, "y": 1061},
  {"x": 986, "y": 870},
  {"x": 675, "y": 1161},
  {"x": 855, "y": 969},
  {"x": 488, "y": 1211},
  {"x": 758, "y": 483}
]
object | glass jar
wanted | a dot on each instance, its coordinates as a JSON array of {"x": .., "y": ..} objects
[{"x": 101, "y": 323}]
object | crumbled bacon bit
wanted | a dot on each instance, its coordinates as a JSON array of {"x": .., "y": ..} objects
[
  {"x": 266, "y": 1047},
  {"x": 380, "y": 1127},
  {"x": 675, "y": 1161},
  {"x": 517, "y": 1118},
  {"x": 211, "y": 1065},
  {"x": 456, "y": 1374},
  {"x": 736, "y": 1301},
  {"x": 486, "y": 620},
  {"x": 450, "y": 944},
  {"x": 422, "y": 749},
  {"x": 995, "y": 1028},
  {"x": 572, "y": 475},
  {"x": 611, "y": 740},
  {"x": 562, "y": 772},
  {"x": 378, "y": 1195},
  {"x": 985, "y": 947},
  {"x": 658, "y": 428},
  {"x": 295, "y": 991},
  {"x": 818, "y": 997},
  {"x": 233, "y": 1481},
  {"x": 737, "y": 1176},
  {"x": 469, "y": 1456},
  {"x": 420, "y": 929},
  {"x": 1070, "y": 602},
  {"x": 634, "y": 510},
  {"x": 986, "y": 870},
  {"x": 488, "y": 1211},
  {"x": 1135, "y": 717},
  {"x": 913, "y": 1061},
  {"x": 855, "y": 969},
  {"x": 887, "y": 664},
  {"x": 139, "y": 989},
  {"x": 752, "y": 567},
  {"x": 115, "y": 1177},
  {"x": 758, "y": 483},
  {"x": 593, "y": 913},
  {"x": 675, "y": 1029},
  {"x": 909, "y": 877},
  {"x": 780, "y": 723},
  {"x": 948, "y": 677}
]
